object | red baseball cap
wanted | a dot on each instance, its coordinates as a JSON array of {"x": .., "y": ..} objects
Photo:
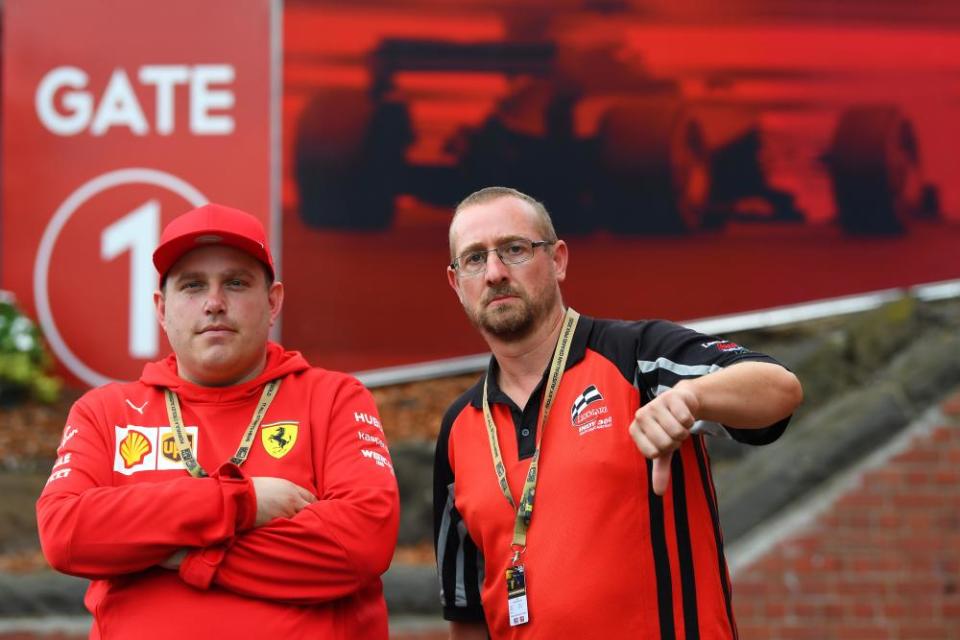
[{"x": 208, "y": 225}]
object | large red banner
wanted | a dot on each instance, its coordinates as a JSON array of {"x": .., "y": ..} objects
[
  {"x": 117, "y": 116},
  {"x": 699, "y": 158}
]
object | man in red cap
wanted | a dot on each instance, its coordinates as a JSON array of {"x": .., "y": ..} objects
[{"x": 233, "y": 489}]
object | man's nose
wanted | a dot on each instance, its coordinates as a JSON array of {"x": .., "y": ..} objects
[
  {"x": 214, "y": 302},
  {"x": 496, "y": 271}
]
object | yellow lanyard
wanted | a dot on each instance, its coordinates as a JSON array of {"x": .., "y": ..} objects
[
  {"x": 525, "y": 510},
  {"x": 183, "y": 444}
]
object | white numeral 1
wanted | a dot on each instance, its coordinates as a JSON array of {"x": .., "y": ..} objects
[{"x": 138, "y": 231}]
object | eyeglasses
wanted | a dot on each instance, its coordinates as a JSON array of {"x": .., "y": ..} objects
[{"x": 472, "y": 263}]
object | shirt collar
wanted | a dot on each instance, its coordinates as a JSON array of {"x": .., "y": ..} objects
[{"x": 578, "y": 349}]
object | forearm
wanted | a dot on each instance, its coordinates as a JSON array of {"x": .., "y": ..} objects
[
  {"x": 105, "y": 531},
  {"x": 327, "y": 551},
  {"x": 746, "y": 395}
]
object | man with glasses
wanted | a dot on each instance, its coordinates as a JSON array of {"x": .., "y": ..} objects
[
  {"x": 572, "y": 491},
  {"x": 232, "y": 491}
]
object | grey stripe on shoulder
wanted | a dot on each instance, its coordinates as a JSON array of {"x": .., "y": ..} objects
[{"x": 648, "y": 366}]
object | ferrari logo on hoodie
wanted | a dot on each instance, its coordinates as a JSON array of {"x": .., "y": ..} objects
[{"x": 279, "y": 438}]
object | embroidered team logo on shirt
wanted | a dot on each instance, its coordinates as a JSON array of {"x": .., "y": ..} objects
[
  {"x": 723, "y": 345},
  {"x": 278, "y": 438},
  {"x": 589, "y": 412}
]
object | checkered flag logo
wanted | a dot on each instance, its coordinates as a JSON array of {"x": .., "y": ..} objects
[{"x": 589, "y": 396}]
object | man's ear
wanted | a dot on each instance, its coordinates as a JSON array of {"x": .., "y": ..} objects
[
  {"x": 275, "y": 295},
  {"x": 160, "y": 308},
  {"x": 560, "y": 257},
  {"x": 454, "y": 283}
]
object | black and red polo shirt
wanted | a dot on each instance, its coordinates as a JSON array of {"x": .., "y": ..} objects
[{"x": 605, "y": 557}]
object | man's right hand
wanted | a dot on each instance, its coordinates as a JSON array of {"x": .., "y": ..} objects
[{"x": 279, "y": 498}]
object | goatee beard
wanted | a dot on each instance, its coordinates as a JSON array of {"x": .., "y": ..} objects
[{"x": 510, "y": 323}]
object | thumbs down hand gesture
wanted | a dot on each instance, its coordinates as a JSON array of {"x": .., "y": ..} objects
[{"x": 660, "y": 427}]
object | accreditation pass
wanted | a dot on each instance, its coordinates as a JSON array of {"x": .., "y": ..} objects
[{"x": 517, "y": 595}]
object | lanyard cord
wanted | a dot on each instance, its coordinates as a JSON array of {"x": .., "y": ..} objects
[
  {"x": 525, "y": 510},
  {"x": 183, "y": 443}
]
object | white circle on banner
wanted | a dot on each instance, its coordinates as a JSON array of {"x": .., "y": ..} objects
[{"x": 133, "y": 175}]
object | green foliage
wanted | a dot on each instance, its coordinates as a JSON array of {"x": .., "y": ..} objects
[{"x": 24, "y": 360}]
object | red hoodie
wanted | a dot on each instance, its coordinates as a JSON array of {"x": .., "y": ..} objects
[{"x": 119, "y": 502}]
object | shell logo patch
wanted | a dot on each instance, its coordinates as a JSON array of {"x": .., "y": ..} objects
[
  {"x": 134, "y": 448},
  {"x": 278, "y": 438}
]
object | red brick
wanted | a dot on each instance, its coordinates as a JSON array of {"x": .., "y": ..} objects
[
  {"x": 893, "y": 609},
  {"x": 881, "y": 478},
  {"x": 926, "y": 456},
  {"x": 803, "y": 632},
  {"x": 884, "y": 562},
  {"x": 948, "y": 477},
  {"x": 747, "y": 589},
  {"x": 805, "y": 610},
  {"x": 951, "y": 406},
  {"x": 945, "y": 434},
  {"x": 856, "y": 587},
  {"x": 753, "y": 631},
  {"x": 862, "y": 610},
  {"x": 877, "y": 566},
  {"x": 917, "y": 608},
  {"x": 925, "y": 631},
  {"x": 918, "y": 499},
  {"x": 951, "y": 609},
  {"x": 854, "y": 630},
  {"x": 861, "y": 500}
]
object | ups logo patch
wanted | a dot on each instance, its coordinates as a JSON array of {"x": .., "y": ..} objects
[{"x": 168, "y": 447}]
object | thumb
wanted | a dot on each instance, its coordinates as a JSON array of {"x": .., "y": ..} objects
[{"x": 661, "y": 473}]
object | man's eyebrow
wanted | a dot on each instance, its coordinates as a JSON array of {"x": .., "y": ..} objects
[
  {"x": 226, "y": 274},
  {"x": 238, "y": 271},
  {"x": 479, "y": 246},
  {"x": 189, "y": 275}
]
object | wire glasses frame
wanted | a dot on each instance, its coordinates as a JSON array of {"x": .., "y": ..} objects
[{"x": 517, "y": 251}]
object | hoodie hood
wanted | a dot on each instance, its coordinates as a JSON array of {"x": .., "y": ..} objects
[{"x": 280, "y": 362}]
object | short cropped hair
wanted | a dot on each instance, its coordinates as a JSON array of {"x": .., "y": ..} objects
[{"x": 489, "y": 194}]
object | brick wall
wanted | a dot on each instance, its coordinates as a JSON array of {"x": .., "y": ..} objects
[{"x": 881, "y": 561}]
